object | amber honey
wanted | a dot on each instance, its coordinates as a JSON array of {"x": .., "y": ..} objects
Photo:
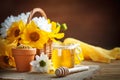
[{"x": 63, "y": 55}]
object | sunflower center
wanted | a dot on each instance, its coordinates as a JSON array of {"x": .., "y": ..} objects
[
  {"x": 42, "y": 63},
  {"x": 34, "y": 36},
  {"x": 16, "y": 33}
]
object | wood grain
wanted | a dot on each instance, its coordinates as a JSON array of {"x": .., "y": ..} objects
[
  {"x": 11, "y": 74},
  {"x": 107, "y": 71}
]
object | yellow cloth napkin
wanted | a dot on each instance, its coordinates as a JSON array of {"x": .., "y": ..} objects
[{"x": 96, "y": 53}]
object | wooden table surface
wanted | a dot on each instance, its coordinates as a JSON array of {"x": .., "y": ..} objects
[
  {"x": 109, "y": 71},
  {"x": 12, "y": 74}
]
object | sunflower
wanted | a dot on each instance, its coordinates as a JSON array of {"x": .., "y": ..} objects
[
  {"x": 55, "y": 32},
  {"x": 6, "y": 59},
  {"x": 33, "y": 36},
  {"x": 14, "y": 32}
]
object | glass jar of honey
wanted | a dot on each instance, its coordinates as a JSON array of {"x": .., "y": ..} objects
[{"x": 64, "y": 55}]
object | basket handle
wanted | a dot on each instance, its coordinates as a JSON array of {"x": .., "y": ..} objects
[{"x": 41, "y": 11}]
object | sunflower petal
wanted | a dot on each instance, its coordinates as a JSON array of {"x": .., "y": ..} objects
[
  {"x": 59, "y": 35},
  {"x": 57, "y": 29}
]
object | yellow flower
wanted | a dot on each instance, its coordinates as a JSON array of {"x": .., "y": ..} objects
[
  {"x": 5, "y": 51},
  {"x": 15, "y": 30},
  {"x": 33, "y": 36},
  {"x": 55, "y": 32}
]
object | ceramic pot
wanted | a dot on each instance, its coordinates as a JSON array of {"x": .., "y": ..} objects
[{"x": 23, "y": 57}]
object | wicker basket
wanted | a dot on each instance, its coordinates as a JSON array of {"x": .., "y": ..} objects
[{"x": 47, "y": 47}]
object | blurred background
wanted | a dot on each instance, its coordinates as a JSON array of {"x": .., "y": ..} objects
[{"x": 96, "y": 22}]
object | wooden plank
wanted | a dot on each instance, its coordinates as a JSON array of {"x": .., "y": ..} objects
[
  {"x": 109, "y": 71},
  {"x": 12, "y": 74}
]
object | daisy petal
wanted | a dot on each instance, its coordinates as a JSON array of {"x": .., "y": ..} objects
[
  {"x": 33, "y": 63},
  {"x": 37, "y": 57}
]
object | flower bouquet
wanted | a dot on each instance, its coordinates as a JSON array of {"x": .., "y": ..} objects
[{"x": 37, "y": 32}]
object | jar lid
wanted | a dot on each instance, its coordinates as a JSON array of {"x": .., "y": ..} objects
[{"x": 65, "y": 46}]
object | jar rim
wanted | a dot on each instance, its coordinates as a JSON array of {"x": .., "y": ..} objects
[{"x": 65, "y": 46}]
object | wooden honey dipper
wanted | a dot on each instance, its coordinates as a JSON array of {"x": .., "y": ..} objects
[{"x": 63, "y": 71}]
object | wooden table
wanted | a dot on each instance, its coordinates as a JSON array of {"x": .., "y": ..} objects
[
  {"x": 109, "y": 71},
  {"x": 97, "y": 71},
  {"x": 11, "y": 74}
]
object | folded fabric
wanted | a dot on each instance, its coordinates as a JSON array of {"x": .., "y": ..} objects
[{"x": 96, "y": 53}]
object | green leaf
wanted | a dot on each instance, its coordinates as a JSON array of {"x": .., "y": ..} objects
[{"x": 64, "y": 27}]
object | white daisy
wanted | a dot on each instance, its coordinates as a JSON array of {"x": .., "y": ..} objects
[
  {"x": 42, "y": 23},
  {"x": 9, "y": 20},
  {"x": 41, "y": 64},
  {"x": 6, "y": 24},
  {"x": 23, "y": 17}
]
